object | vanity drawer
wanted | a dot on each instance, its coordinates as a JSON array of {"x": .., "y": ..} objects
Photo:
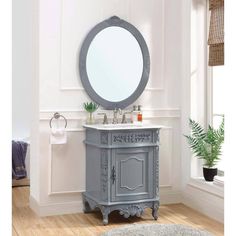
[
  {"x": 134, "y": 137},
  {"x": 122, "y": 138}
]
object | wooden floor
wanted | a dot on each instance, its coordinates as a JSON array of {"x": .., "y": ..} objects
[{"x": 26, "y": 222}]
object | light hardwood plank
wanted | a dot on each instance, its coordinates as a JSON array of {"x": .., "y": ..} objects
[
  {"x": 14, "y": 233},
  {"x": 26, "y": 222}
]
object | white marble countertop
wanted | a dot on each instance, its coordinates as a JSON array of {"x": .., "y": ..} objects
[{"x": 126, "y": 126}]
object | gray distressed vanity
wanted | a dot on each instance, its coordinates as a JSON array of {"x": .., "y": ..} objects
[
  {"x": 122, "y": 169},
  {"x": 122, "y": 160}
]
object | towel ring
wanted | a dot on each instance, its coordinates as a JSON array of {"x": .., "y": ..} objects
[{"x": 57, "y": 116}]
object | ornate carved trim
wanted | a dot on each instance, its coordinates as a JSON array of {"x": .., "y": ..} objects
[
  {"x": 157, "y": 137},
  {"x": 124, "y": 209},
  {"x": 132, "y": 210},
  {"x": 104, "y": 138},
  {"x": 157, "y": 169},
  {"x": 104, "y": 173},
  {"x": 144, "y": 137}
]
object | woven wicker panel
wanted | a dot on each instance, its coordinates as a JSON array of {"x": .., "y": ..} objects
[
  {"x": 215, "y": 3},
  {"x": 216, "y": 33},
  {"x": 216, "y": 55}
]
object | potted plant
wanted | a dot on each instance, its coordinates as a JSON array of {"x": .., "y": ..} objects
[
  {"x": 206, "y": 145},
  {"x": 90, "y": 107}
]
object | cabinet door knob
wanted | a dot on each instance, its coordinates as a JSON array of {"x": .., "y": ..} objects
[{"x": 113, "y": 174}]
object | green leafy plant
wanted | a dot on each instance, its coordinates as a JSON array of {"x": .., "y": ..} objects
[
  {"x": 90, "y": 107},
  {"x": 207, "y": 144}
]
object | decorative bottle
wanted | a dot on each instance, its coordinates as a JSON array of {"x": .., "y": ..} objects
[{"x": 139, "y": 115}]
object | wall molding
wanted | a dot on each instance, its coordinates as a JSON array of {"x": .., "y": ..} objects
[
  {"x": 79, "y": 114},
  {"x": 82, "y": 130},
  {"x": 50, "y": 167},
  {"x": 146, "y": 118},
  {"x": 164, "y": 188},
  {"x": 167, "y": 196},
  {"x": 82, "y": 110},
  {"x": 80, "y": 88},
  {"x": 70, "y": 207},
  {"x": 170, "y": 197},
  {"x": 51, "y": 209}
]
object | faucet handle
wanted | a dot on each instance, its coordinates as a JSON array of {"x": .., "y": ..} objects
[
  {"x": 105, "y": 120},
  {"x": 124, "y": 117},
  {"x": 123, "y": 121}
]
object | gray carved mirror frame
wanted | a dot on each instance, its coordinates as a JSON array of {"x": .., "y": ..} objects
[{"x": 114, "y": 21}]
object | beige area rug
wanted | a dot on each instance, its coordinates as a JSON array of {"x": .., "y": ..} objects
[{"x": 156, "y": 230}]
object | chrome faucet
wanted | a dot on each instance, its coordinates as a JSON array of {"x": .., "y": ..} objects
[{"x": 115, "y": 118}]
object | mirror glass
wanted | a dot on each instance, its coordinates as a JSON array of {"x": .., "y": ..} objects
[{"x": 114, "y": 64}]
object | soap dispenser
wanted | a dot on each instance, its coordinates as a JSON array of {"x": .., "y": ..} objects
[{"x": 140, "y": 114}]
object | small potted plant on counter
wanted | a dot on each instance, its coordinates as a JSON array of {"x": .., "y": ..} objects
[
  {"x": 90, "y": 107},
  {"x": 206, "y": 145}
]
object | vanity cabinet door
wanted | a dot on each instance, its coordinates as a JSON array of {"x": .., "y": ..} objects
[{"x": 132, "y": 174}]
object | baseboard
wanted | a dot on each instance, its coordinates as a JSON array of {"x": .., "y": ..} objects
[
  {"x": 204, "y": 202},
  {"x": 166, "y": 197},
  {"x": 55, "y": 208},
  {"x": 170, "y": 197},
  {"x": 201, "y": 201},
  {"x": 34, "y": 205}
]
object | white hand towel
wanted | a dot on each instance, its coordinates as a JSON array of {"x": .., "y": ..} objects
[{"x": 58, "y": 136}]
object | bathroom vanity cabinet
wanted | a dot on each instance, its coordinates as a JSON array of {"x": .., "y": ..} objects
[{"x": 122, "y": 169}]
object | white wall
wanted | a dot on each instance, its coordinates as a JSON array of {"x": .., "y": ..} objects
[
  {"x": 22, "y": 31},
  {"x": 62, "y": 27}
]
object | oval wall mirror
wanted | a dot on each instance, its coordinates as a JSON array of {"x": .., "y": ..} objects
[{"x": 114, "y": 63}]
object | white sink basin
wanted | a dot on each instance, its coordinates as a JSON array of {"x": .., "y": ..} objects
[{"x": 123, "y": 126}]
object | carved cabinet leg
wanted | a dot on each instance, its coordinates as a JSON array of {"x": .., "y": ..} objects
[
  {"x": 155, "y": 210},
  {"x": 87, "y": 208},
  {"x": 105, "y": 213}
]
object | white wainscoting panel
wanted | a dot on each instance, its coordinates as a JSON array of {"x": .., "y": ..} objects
[
  {"x": 68, "y": 165},
  {"x": 67, "y": 161},
  {"x": 144, "y": 17},
  {"x": 80, "y": 114},
  {"x": 62, "y": 33},
  {"x": 165, "y": 157}
]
